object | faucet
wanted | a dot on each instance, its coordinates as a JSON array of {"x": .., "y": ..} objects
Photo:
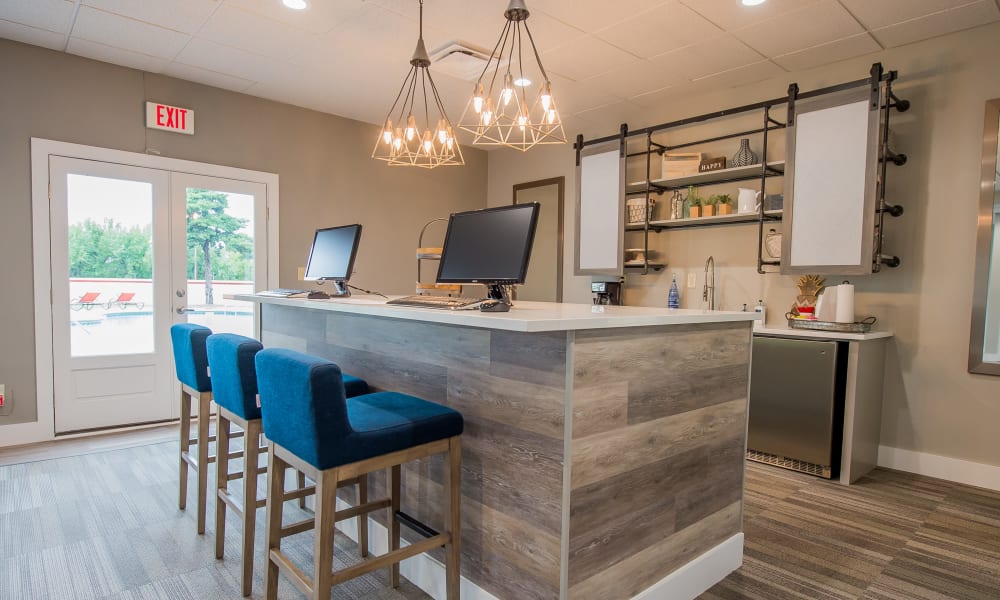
[{"x": 708, "y": 292}]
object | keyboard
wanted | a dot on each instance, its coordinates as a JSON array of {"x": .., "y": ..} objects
[
  {"x": 284, "y": 293},
  {"x": 445, "y": 302}
]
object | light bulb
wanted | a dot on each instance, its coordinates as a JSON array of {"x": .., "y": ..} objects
[
  {"x": 397, "y": 141},
  {"x": 450, "y": 143},
  {"x": 508, "y": 89},
  {"x": 411, "y": 128},
  {"x": 546, "y": 96},
  {"x": 387, "y": 132},
  {"x": 428, "y": 143},
  {"x": 551, "y": 116},
  {"x": 522, "y": 120},
  {"x": 488, "y": 112},
  {"x": 477, "y": 99},
  {"x": 442, "y": 131}
]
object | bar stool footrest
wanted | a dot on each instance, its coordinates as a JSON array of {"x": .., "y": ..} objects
[{"x": 415, "y": 525}]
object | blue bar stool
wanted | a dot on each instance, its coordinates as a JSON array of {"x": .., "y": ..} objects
[
  {"x": 310, "y": 425},
  {"x": 191, "y": 364},
  {"x": 234, "y": 379}
]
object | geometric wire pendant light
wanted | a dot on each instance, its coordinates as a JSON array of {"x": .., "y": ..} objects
[
  {"x": 501, "y": 111},
  {"x": 409, "y": 142}
]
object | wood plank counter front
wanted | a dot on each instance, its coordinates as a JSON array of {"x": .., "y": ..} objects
[{"x": 603, "y": 452}]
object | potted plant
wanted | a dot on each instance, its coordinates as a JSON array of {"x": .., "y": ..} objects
[
  {"x": 708, "y": 208},
  {"x": 694, "y": 203},
  {"x": 725, "y": 204}
]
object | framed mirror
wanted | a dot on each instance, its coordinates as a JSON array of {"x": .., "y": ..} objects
[
  {"x": 984, "y": 342},
  {"x": 544, "y": 280}
]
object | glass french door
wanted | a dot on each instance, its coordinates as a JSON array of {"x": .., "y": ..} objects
[{"x": 134, "y": 250}]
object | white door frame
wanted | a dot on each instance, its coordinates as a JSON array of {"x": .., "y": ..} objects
[{"x": 43, "y": 428}]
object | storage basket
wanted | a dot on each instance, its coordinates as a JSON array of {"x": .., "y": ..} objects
[{"x": 635, "y": 210}]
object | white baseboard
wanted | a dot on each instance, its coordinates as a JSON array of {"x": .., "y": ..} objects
[
  {"x": 694, "y": 578},
  {"x": 940, "y": 467},
  {"x": 686, "y": 583}
]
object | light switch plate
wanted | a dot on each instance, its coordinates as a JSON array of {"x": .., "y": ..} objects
[{"x": 692, "y": 279}]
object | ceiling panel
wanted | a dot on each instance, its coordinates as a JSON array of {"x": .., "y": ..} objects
[
  {"x": 121, "y": 32},
  {"x": 731, "y": 14},
  {"x": 812, "y": 25},
  {"x": 249, "y": 31},
  {"x": 638, "y": 78},
  {"x": 708, "y": 57},
  {"x": 207, "y": 77},
  {"x": 109, "y": 54},
  {"x": 322, "y": 16},
  {"x": 586, "y": 57},
  {"x": 751, "y": 73},
  {"x": 32, "y": 35},
  {"x": 658, "y": 30},
  {"x": 889, "y": 12},
  {"x": 573, "y": 97},
  {"x": 355, "y": 43},
  {"x": 824, "y": 54},
  {"x": 940, "y": 23},
  {"x": 208, "y": 55},
  {"x": 589, "y": 15},
  {"x": 186, "y": 16},
  {"x": 51, "y": 15}
]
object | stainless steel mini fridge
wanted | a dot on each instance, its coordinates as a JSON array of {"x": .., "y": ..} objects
[{"x": 797, "y": 404}]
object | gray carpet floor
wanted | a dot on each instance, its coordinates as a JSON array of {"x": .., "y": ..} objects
[{"x": 106, "y": 525}]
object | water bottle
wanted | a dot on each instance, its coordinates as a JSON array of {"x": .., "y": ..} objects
[
  {"x": 761, "y": 310},
  {"x": 674, "y": 296}
]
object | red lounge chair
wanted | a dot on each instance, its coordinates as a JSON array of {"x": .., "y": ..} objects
[
  {"x": 124, "y": 300},
  {"x": 88, "y": 301}
]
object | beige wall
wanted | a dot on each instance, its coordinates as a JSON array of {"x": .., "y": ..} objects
[
  {"x": 931, "y": 403},
  {"x": 327, "y": 177}
]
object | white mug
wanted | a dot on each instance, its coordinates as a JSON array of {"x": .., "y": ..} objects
[{"x": 747, "y": 200}]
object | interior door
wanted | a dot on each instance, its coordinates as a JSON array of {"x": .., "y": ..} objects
[
  {"x": 111, "y": 308},
  {"x": 219, "y": 249}
]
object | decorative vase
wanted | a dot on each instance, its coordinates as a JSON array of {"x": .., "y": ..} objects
[{"x": 744, "y": 157}]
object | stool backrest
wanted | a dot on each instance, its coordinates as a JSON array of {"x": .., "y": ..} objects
[
  {"x": 302, "y": 402},
  {"x": 234, "y": 375},
  {"x": 190, "y": 355}
]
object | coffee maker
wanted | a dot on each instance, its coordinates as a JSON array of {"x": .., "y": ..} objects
[{"x": 607, "y": 292}]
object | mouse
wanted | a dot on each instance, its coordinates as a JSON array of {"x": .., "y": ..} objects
[
  {"x": 487, "y": 304},
  {"x": 318, "y": 295}
]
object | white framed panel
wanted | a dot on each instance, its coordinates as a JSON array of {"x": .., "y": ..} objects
[
  {"x": 830, "y": 185},
  {"x": 600, "y": 210}
]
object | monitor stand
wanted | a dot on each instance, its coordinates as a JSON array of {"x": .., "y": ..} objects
[
  {"x": 499, "y": 293},
  {"x": 340, "y": 289}
]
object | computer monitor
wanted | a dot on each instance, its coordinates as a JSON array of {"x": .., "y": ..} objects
[
  {"x": 491, "y": 247},
  {"x": 332, "y": 255}
]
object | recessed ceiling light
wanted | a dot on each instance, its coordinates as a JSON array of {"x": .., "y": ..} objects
[
  {"x": 752, "y": 2},
  {"x": 522, "y": 82},
  {"x": 302, "y": 4}
]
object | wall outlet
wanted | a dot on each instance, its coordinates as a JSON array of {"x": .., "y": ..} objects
[
  {"x": 302, "y": 273},
  {"x": 692, "y": 280}
]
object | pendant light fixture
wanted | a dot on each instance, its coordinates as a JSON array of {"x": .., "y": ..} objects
[
  {"x": 408, "y": 141},
  {"x": 506, "y": 109}
]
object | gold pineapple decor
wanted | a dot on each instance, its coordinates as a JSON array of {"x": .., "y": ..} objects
[{"x": 809, "y": 288}]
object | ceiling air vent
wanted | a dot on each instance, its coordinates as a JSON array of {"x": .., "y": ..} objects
[{"x": 460, "y": 59}]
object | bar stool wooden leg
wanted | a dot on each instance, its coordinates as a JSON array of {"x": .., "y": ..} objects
[
  {"x": 326, "y": 506},
  {"x": 394, "y": 493},
  {"x": 301, "y": 480},
  {"x": 251, "y": 450},
  {"x": 221, "y": 481},
  {"x": 204, "y": 415},
  {"x": 275, "y": 496},
  {"x": 363, "y": 518},
  {"x": 451, "y": 504},
  {"x": 185, "y": 447}
]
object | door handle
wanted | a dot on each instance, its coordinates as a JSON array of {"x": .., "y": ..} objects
[{"x": 183, "y": 310}]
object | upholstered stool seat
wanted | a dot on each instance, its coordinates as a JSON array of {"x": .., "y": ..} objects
[
  {"x": 234, "y": 377},
  {"x": 310, "y": 425},
  {"x": 191, "y": 366}
]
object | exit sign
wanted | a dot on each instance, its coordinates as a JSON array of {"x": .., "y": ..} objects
[{"x": 169, "y": 118}]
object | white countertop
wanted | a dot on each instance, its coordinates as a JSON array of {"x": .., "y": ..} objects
[
  {"x": 820, "y": 335},
  {"x": 524, "y": 316}
]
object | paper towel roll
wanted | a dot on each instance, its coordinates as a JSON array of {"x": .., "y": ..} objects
[
  {"x": 826, "y": 307},
  {"x": 845, "y": 303}
]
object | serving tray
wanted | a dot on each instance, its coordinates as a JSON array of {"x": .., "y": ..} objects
[{"x": 863, "y": 326}]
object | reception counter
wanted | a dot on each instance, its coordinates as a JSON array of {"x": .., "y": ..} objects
[{"x": 603, "y": 453}]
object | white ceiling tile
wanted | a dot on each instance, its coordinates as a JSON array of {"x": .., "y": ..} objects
[
  {"x": 113, "y": 30},
  {"x": 249, "y": 31},
  {"x": 940, "y": 23},
  {"x": 590, "y": 15},
  {"x": 708, "y": 57},
  {"x": 32, "y": 35},
  {"x": 731, "y": 14},
  {"x": 658, "y": 30},
  {"x": 117, "y": 56},
  {"x": 637, "y": 79},
  {"x": 321, "y": 16},
  {"x": 207, "y": 77},
  {"x": 744, "y": 75},
  {"x": 51, "y": 15},
  {"x": 657, "y": 98},
  {"x": 889, "y": 12},
  {"x": 186, "y": 16},
  {"x": 831, "y": 52},
  {"x": 214, "y": 57},
  {"x": 586, "y": 57},
  {"x": 574, "y": 97},
  {"x": 611, "y": 116},
  {"x": 815, "y": 24},
  {"x": 353, "y": 44}
]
